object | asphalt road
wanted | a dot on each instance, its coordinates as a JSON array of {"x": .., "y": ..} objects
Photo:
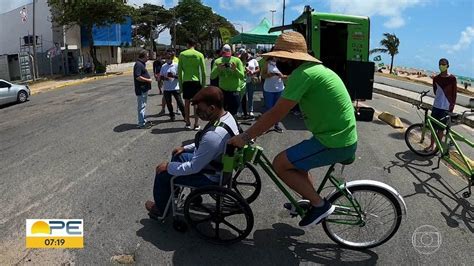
[
  {"x": 461, "y": 99},
  {"x": 75, "y": 153}
]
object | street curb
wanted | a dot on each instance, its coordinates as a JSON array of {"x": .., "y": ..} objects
[
  {"x": 465, "y": 121},
  {"x": 76, "y": 82},
  {"x": 391, "y": 120}
]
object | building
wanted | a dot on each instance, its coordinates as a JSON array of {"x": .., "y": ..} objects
[{"x": 16, "y": 44}]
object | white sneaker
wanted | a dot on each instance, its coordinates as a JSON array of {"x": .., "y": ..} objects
[
  {"x": 251, "y": 114},
  {"x": 197, "y": 128},
  {"x": 188, "y": 127}
]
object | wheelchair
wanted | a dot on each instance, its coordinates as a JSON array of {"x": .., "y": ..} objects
[{"x": 219, "y": 213}]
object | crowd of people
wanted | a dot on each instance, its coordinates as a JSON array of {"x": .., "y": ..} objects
[{"x": 238, "y": 74}]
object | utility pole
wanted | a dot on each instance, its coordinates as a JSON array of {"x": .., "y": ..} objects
[
  {"x": 283, "y": 21},
  {"x": 273, "y": 11},
  {"x": 35, "y": 64}
]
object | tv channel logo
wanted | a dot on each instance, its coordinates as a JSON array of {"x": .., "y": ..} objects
[
  {"x": 54, "y": 233},
  {"x": 426, "y": 239}
]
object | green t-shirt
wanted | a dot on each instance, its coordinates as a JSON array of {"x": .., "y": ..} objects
[
  {"x": 325, "y": 103},
  {"x": 191, "y": 67},
  {"x": 229, "y": 80}
]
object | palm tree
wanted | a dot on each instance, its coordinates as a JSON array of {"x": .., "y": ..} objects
[{"x": 391, "y": 43}]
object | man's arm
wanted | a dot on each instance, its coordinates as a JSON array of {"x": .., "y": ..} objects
[
  {"x": 203, "y": 71},
  {"x": 453, "y": 94},
  {"x": 215, "y": 70},
  {"x": 180, "y": 71},
  {"x": 208, "y": 148},
  {"x": 239, "y": 70},
  {"x": 434, "y": 85}
]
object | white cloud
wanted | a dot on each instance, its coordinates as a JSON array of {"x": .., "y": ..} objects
[
  {"x": 386, "y": 8},
  {"x": 467, "y": 36},
  {"x": 141, "y": 2}
]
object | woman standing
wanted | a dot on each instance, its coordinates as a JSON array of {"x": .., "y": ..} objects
[
  {"x": 252, "y": 71},
  {"x": 273, "y": 87}
]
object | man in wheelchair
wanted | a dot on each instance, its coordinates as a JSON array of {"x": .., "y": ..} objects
[{"x": 197, "y": 164}]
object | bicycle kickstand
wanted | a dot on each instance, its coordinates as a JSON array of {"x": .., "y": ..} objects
[{"x": 437, "y": 166}]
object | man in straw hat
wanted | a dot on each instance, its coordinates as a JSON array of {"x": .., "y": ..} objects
[
  {"x": 197, "y": 164},
  {"x": 329, "y": 115}
]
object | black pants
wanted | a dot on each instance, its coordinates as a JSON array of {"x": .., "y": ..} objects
[
  {"x": 231, "y": 101},
  {"x": 179, "y": 101}
]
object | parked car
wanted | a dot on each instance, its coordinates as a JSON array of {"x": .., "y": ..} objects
[{"x": 10, "y": 92}]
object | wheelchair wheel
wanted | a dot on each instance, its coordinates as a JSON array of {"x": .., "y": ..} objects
[
  {"x": 246, "y": 182},
  {"x": 223, "y": 217}
]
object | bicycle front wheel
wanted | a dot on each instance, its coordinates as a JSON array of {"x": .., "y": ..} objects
[
  {"x": 373, "y": 220},
  {"x": 418, "y": 138}
]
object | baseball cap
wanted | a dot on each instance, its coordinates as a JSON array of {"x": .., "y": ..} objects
[{"x": 226, "y": 51}]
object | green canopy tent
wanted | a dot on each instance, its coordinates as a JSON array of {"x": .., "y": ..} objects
[{"x": 258, "y": 35}]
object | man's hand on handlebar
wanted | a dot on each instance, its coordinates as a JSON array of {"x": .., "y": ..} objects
[
  {"x": 177, "y": 151},
  {"x": 237, "y": 141}
]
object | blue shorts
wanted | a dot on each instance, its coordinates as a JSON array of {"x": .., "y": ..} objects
[{"x": 311, "y": 153}]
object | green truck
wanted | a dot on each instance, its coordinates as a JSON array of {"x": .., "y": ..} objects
[{"x": 342, "y": 43}]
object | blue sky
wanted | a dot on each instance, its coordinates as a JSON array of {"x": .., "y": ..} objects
[{"x": 427, "y": 29}]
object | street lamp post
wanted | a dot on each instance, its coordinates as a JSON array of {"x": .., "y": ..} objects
[
  {"x": 273, "y": 11},
  {"x": 283, "y": 20}
]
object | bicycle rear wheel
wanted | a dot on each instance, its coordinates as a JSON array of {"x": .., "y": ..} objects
[
  {"x": 418, "y": 142},
  {"x": 380, "y": 218}
]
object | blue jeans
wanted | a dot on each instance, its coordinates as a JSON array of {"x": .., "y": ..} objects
[
  {"x": 270, "y": 99},
  {"x": 251, "y": 88},
  {"x": 162, "y": 186},
  {"x": 141, "y": 105}
]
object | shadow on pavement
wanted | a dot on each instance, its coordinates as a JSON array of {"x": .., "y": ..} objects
[
  {"x": 436, "y": 187},
  {"x": 167, "y": 130},
  {"x": 397, "y": 135},
  {"x": 125, "y": 127},
  {"x": 276, "y": 246}
]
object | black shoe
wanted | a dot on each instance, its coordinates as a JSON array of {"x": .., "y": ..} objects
[
  {"x": 316, "y": 214},
  {"x": 172, "y": 119},
  {"x": 147, "y": 125}
]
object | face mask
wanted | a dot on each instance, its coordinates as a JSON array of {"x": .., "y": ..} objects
[
  {"x": 285, "y": 67},
  {"x": 443, "y": 68},
  {"x": 203, "y": 115}
]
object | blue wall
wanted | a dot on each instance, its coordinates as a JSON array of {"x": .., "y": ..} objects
[{"x": 112, "y": 35}]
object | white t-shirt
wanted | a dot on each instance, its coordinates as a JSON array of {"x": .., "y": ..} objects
[
  {"x": 170, "y": 85},
  {"x": 273, "y": 83},
  {"x": 252, "y": 66}
]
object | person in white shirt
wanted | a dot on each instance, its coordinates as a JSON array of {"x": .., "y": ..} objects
[
  {"x": 273, "y": 87},
  {"x": 252, "y": 71},
  {"x": 200, "y": 163},
  {"x": 169, "y": 75}
]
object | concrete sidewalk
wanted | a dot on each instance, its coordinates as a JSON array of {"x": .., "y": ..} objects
[{"x": 413, "y": 97}]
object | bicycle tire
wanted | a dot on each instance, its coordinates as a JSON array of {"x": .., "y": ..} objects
[
  {"x": 397, "y": 208},
  {"x": 256, "y": 184},
  {"x": 413, "y": 139}
]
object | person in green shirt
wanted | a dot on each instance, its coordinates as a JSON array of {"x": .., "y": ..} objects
[
  {"x": 230, "y": 71},
  {"x": 328, "y": 114},
  {"x": 192, "y": 77}
]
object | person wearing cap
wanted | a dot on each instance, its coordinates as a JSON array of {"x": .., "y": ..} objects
[
  {"x": 328, "y": 114},
  {"x": 192, "y": 77},
  {"x": 445, "y": 90},
  {"x": 197, "y": 164},
  {"x": 169, "y": 74},
  {"x": 230, "y": 71}
]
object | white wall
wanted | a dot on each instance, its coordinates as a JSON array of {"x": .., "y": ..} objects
[{"x": 12, "y": 28}]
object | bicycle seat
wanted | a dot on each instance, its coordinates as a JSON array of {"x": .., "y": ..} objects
[{"x": 348, "y": 161}]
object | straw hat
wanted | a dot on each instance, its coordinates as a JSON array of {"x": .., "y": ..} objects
[{"x": 291, "y": 45}]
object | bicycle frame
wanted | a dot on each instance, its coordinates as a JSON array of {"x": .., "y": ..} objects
[
  {"x": 255, "y": 156},
  {"x": 443, "y": 146}
]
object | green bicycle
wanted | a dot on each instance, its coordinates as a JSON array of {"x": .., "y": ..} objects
[
  {"x": 368, "y": 213},
  {"x": 419, "y": 137}
]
